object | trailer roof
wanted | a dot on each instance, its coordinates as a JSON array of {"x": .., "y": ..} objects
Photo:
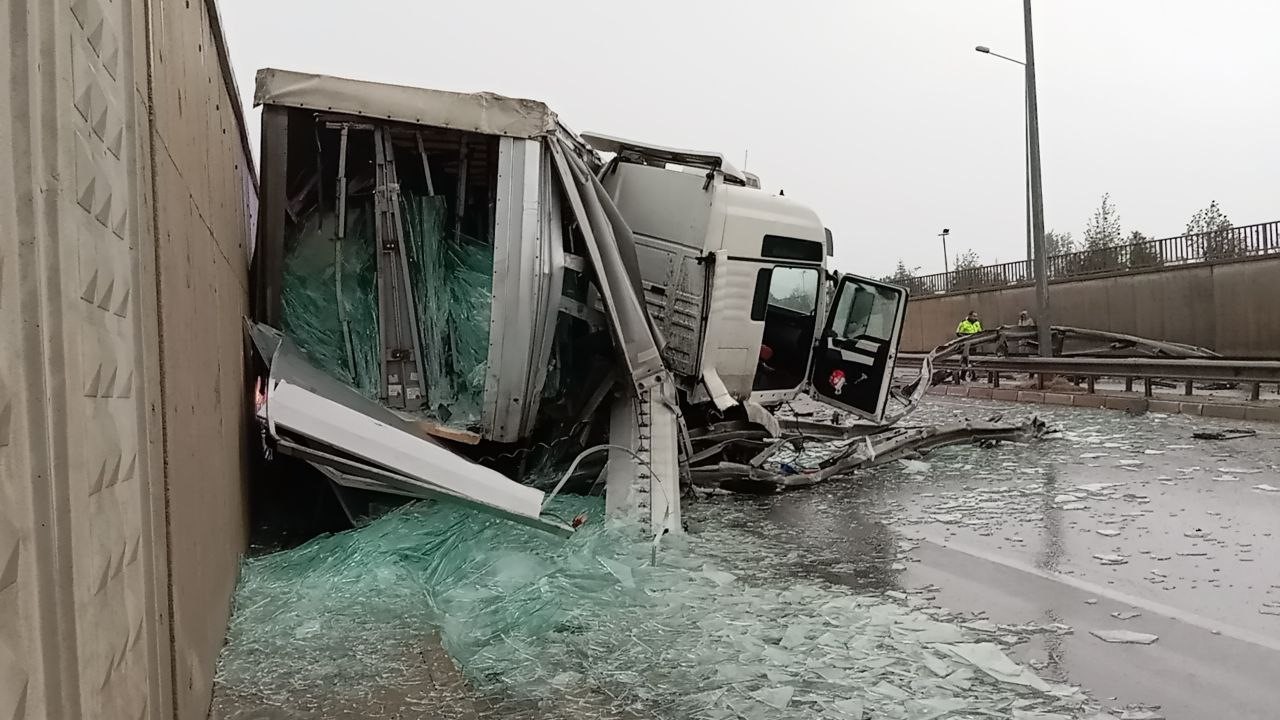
[{"x": 484, "y": 112}]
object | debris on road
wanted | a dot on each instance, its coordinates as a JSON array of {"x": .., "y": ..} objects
[
  {"x": 733, "y": 456},
  {"x": 1124, "y": 636},
  {"x": 1125, "y": 614},
  {"x": 1142, "y": 713},
  {"x": 1224, "y": 434}
]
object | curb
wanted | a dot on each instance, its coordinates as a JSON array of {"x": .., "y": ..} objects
[{"x": 1128, "y": 403}]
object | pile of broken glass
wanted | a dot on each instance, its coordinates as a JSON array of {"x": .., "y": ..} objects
[{"x": 601, "y": 625}]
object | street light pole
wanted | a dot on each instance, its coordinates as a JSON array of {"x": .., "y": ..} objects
[
  {"x": 946, "y": 264},
  {"x": 1043, "y": 322},
  {"x": 1026, "y": 193}
]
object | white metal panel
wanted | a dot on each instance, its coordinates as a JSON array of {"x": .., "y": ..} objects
[
  {"x": 664, "y": 205},
  {"x": 749, "y": 215},
  {"x": 550, "y": 264},
  {"x": 643, "y": 473},
  {"x": 629, "y": 321},
  {"x": 292, "y": 407},
  {"x": 732, "y": 339},
  {"x": 675, "y": 285},
  {"x": 519, "y": 280}
]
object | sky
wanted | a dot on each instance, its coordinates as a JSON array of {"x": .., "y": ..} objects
[{"x": 878, "y": 115}]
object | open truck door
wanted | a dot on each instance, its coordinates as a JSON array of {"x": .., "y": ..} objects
[{"x": 854, "y": 354}]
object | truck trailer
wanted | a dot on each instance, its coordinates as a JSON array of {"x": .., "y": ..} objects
[{"x": 479, "y": 281}]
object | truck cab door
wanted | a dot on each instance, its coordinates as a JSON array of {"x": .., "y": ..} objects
[{"x": 854, "y": 354}]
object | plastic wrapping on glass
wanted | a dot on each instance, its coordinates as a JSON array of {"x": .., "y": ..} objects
[
  {"x": 313, "y": 309},
  {"x": 452, "y": 281},
  {"x": 718, "y": 625}
]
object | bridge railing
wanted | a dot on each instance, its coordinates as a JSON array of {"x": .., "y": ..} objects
[{"x": 1245, "y": 241}]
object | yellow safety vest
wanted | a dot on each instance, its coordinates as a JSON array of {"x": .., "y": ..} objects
[{"x": 968, "y": 328}]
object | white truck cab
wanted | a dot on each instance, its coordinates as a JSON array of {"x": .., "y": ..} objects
[{"x": 735, "y": 279}]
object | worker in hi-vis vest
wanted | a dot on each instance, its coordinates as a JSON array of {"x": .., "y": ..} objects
[{"x": 969, "y": 325}]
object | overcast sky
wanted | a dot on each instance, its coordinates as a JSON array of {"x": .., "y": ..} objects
[{"x": 879, "y": 115}]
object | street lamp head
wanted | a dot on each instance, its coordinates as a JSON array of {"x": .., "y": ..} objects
[{"x": 983, "y": 49}]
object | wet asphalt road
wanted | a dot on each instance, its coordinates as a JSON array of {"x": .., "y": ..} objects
[{"x": 1117, "y": 514}]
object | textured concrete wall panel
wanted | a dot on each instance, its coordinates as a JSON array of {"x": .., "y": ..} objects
[
  {"x": 1227, "y": 307},
  {"x": 101, "y": 471}
]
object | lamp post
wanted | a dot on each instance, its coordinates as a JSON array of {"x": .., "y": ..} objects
[
  {"x": 1039, "y": 261},
  {"x": 1026, "y": 147},
  {"x": 946, "y": 264}
]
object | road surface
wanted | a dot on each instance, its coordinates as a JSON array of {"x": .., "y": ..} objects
[{"x": 1118, "y": 514}]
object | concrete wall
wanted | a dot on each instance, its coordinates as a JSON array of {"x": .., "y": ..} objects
[
  {"x": 126, "y": 199},
  {"x": 1227, "y": 307}
]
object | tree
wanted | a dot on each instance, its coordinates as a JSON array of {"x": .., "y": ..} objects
[
  {"x": 1058, "y": 243},
  {"x": 1143, "y": 253},
  {"x": 967, "y": 261},
  {"x": 1214, "y": 230},
  {"x": 901, "y": 274},
  {"x": 906, "y": 277},
  {"x": 966, "y": 272},
  {"x": 1103, "y": 230},
  {"x": 1102, "y": 250},
  {"x": 1209, "y": 219}
]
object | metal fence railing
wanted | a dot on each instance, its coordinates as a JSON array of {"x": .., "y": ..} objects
[{"x": 1245, "y": 241}]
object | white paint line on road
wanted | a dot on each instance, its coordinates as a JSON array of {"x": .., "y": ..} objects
[{"x": 1124, "y": 598}]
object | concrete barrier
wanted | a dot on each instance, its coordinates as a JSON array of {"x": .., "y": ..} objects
[
  {"x": 1226, "y": 306},
  {"x": 126, "y": 207}
]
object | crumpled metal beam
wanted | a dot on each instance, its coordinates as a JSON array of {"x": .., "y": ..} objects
[
  {"x": 1110, "y": 344},
  {"x": 869, "y": 451},
  {"x": 1107, "y": 344}
]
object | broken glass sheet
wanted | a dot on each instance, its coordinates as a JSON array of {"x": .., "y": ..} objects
[
  {"x": 1124, "y": 636},
  {"x": 314, "y": 309},
  {"x": 598, "y": 625},
  {"x": 452, "y": 280}
]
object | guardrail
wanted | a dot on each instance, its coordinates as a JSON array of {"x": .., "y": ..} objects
[
  {"x": 1189, "y": 370},
  {"x": 1246, "y": 241}
]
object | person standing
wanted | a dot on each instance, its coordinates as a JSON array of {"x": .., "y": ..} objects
[
  {"x": 970, "y": 325},
  {"x": 1025, "y": 345}
]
